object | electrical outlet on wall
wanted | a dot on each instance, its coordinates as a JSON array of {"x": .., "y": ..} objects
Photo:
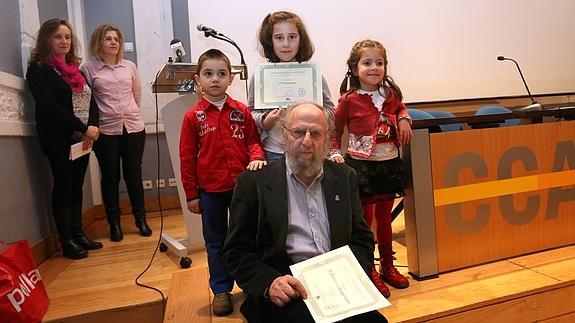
[
  {"x": 172, "y": 182},
  {"x": 161, "y": 183},
  {"x": 147, "y": 185}
]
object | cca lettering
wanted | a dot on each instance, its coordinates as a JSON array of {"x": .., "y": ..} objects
[{"x": 564, "y": 159}]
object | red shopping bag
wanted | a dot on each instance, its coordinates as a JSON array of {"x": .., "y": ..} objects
[{"x": 23, "y": 297}]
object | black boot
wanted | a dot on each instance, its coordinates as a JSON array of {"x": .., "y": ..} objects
[
  {"x": 73, "y": 250},
  {"x": 87, "y": 243},
  {"x": 116, "y": 233},
  {"x": 78, "y": 233},
  {"x": 140, "y": 220},
  {"x": 145, "y": 230},
  {"x": 70, "y": 248},
  {"x": 142, "y": 225}
]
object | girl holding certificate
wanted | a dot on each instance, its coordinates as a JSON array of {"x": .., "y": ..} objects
[
  {"x": 283, "y": 38},
  {"x": 378, "y": 123}
]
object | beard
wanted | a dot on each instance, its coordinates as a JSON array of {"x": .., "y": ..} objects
[{"x": 307, "y": 167}]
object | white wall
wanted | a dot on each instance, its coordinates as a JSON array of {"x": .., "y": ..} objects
[{"x": 438, "y": 49}]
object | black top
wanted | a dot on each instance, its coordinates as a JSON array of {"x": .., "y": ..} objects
[{"x": 55, "y": 119}]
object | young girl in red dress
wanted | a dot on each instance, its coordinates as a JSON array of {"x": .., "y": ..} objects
[{"x": 378, "y": 123}]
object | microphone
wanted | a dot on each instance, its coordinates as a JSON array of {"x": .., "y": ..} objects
[
  {"x": 177, "y": 49},
  {"x": 534, "y": 105},
  {"x": 207, "y": 30},
  {"x": 214, "y": 33}
]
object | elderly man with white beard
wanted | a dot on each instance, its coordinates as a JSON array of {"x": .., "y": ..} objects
[{"x": 298, "y": 207}]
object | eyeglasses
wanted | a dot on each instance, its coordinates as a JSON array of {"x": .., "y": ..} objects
[
  {"x": 112, "y": 39},
  {"x": 298, "y": 133}
]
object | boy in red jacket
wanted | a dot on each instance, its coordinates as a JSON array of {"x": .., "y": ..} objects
[{"x": 219, "y": 140}]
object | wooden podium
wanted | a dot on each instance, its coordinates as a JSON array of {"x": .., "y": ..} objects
[{"x": 482, "y": 195}]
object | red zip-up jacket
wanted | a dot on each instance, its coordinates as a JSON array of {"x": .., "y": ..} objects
[
  {"x": 365, "y": 124},
  {"x": 216, "y": 146}
]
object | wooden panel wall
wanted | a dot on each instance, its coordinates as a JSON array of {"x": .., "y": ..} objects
[{"x": 518, "y": 211}]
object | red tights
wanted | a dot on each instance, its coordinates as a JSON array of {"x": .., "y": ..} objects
[{"x": 382, "y": 211}]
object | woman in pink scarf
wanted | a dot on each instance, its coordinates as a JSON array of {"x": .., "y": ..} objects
[{"x": 66, "y": 113}]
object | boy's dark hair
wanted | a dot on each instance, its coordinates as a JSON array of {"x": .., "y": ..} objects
[
  {"x": 213, "y": 54},
  {"x": 352, "y": 62},
  {"x": 265, "y": 35},
  {"x": 41, "y": 52}
]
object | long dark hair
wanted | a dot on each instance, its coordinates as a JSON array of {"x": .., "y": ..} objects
[
  {"x": 351, "y": 81},
  {"x": 265, "y": 35},
  {"x": 42, "y": 50}
]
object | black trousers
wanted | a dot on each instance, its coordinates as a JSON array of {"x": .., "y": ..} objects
[
  {"x": 68, "y": 177},
  {"x": 123, "y": 151}
]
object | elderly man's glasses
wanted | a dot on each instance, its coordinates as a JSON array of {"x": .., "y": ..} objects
[{"x": 298, "y": 133}]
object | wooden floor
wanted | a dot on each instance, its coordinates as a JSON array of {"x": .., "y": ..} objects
[{"x": 537, "y": 287}]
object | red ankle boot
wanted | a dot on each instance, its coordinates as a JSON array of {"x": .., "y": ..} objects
[
  {"x": 389, "y": 273},
  {"x": 384, "y": 290}
]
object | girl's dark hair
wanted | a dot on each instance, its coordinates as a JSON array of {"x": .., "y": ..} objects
[
  {"x": 42, "y": 50},
  {"x": 265, "y": 35},
  {"x": 213, "y": 54},
  {"x": 352, "y": 62}
]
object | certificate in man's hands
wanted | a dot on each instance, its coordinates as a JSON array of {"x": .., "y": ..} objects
[
  {"x": 337, "y": 287},
  {"x": 278, "y": 85}
]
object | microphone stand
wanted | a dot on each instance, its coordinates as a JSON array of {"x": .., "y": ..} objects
[
  {"x": 534, "y": 105},
  {"x": 220, "y": 36}
]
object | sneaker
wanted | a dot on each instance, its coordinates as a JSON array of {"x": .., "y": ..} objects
[
  {"x": 384, "y": 290},
  {"x": 222, "y": 304},
  {"x": 390, "y": 275}
]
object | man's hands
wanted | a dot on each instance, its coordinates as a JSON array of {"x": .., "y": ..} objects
[{"x": 284, "y": 289}]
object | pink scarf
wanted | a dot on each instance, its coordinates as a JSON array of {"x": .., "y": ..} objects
[{"x": 69, "y": 72}]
